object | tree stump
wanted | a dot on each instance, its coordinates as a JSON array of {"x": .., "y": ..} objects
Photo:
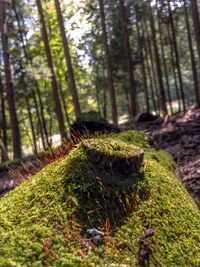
[{"x": 113, "y": 158}]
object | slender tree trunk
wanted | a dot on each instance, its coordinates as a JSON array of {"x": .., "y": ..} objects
[
  {"x": 176, "y": 54},
  {"x": 54, "y": 83},
  {"x": 108, "y": 64},
  {"x": 49, "y": 112},
  {"x": 3, "y": 115},
  {"x": 31, "y": 123},
  {"x": 129, "y": 61},
  {"x": 164, "y": 60},
  {"x": 151, "y": 80},
  {"x": 43, "y": 121},
  {"x": 40, "y": 117},
  {"x": 64, "y": 106},
  {"x": 73, "y": 88},
  {"x": 97, "y": 89},
  {"x": 196, "y": 23},
  {"x": 3, "y": 150},
  {"x": 9, "y": 86},
  {"x": 193, "y": 63},
  {"x": 63, "y": 98},
  {"x": 152, "y": 61},
  {"x": 28, "y": 106},
  {"x": 104, "y": 104},
  {"x": 3, "y": 124},
  {"x": 158, "y": 66},
  {"x": 144, "y": 81},
  {"x": 173, "y": 67}
]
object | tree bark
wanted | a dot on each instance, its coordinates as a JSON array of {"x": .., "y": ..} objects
[
  {"x": 3, "y": 124},
  {"x": 152, "y": 82},
  {"x": 173, "y": 67},
  {"x": 40, "y": 116},
  {"x": 9, "y": 86},
  {"x": 72, "y": 86},
  {"x": 24, "y": 84},
  {"x": 144, "y": 81},
  {"x": 54, "y": 83},
  {"x": 174, "y": 42},
  {"x": 108, "y": 64},
  {"x": 164, "y": 60},
  {"x": 3, "y": 114},
  {"x": 196, "y": 23},
  {"x": 129, "y": 61},
  {"x": 40, "y": 121},
  {"x": 158, "y": 66},
  {"x": 3, "y": 150},
  {"x": 193, "y": 63}
]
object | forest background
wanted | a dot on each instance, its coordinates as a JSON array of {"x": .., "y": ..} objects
[{"x": 62, "y": 58}]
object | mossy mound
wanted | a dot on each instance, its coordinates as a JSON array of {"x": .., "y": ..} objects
[{"x": 43, "y": 221}]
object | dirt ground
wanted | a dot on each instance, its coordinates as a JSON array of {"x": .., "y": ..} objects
[{"x": 179, "y": 135}]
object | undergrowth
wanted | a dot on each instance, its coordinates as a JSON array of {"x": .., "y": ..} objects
[{"x": 44, "y": 221}]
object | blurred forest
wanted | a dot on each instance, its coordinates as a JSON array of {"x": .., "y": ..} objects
[{"x": 62, "y": 58}]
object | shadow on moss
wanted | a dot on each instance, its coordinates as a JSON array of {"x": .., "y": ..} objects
[{"x": 106, "y": 181}]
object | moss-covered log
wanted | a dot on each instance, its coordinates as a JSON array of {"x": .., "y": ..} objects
[{"x": 43, "y": 222}]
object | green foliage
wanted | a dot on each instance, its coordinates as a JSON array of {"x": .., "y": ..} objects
[{"x": 42, "y": 222}]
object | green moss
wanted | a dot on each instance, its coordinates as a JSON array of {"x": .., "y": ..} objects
[
  {"x": 112, "y": 147},
  {"x": 131, "y": 137},
  {"x": 42, "y": 222},
  {"x": 138, "y": 139}
]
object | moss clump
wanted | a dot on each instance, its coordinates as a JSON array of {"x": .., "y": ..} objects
[
  {"x": 104, "y": 180},
  {"x": 113, "y": 158},
  {"x": 43, "y": 221},
  {"x": 132, "y": 138}
]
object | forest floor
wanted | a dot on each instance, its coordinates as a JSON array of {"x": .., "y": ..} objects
[{"x": 179, "y": 135}]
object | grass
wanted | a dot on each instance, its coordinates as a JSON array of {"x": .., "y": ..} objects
[{"x": 43, "y": 221}]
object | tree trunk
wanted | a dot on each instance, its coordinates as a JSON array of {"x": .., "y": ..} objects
[
  {"x": 24, "y": 86},
  {"x": 40, "y": 121},
  {"x": 3, "y": 150},
  {"x": 9, "y": 86},
  {"x": 129, "y": 62},
  {"x": 43, "y": 121},
  {"x": 40, "y": 117},
  {"x": 3, "y": 115},
  {"x": 196, "y": 23},
  {"x": 73, "y": 89},
  {"x": 54, "y": 83},
  {"x": 164, "y": 60},
  {"x": 152, "y": 82},
  {"x": 97, "y": 89},
  {"x": 31, "y": 123},
  {"x": 158, "y": 66},
  {"x": 174, "y": 42},
  {"x": 144, "y": 81},
  {"x": 108, "y": 64},
  {"x": 150, "y": 79},
  {"x": 3, "y": 124},
  {"x": 152, "y": 61},
  {"x": 63, "y": 98},
  {"x": 173, "y": 67},
  {"x": 193, "y": 63}
]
